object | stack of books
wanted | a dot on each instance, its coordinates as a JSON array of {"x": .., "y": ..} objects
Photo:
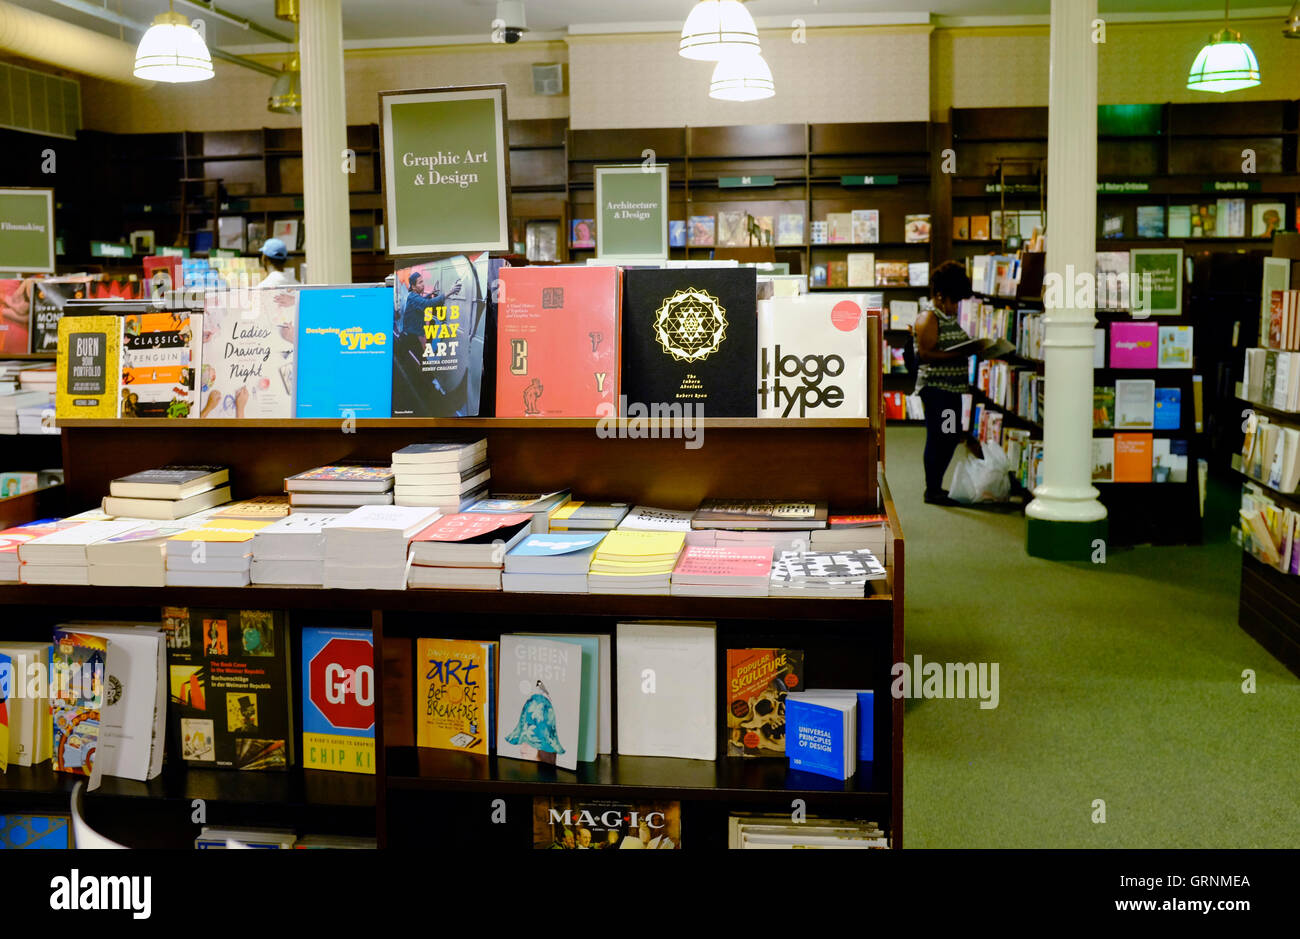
[
  {"x": 367, "y": 548},
  {"x": 639, "y": 562},
  {"x": 851, "y": 532},
  {"x": 786, "y": 526},
  {"x": 824, "y": 573},
  {"x": 449, "y": 477},
  {"x": 137, "y": 557},
  {"x": 39, "y": 378},
  {"x": 541, "y": 506},
  {"x": 465, "y": 550},
  {"x": 588, "y": 516},
  {"x": 551, "y": 563},
  {"x": 37, "y": 419},
  {"x": 291, "y": 550},
  {"x": 216, "y": 553},
  {"x": 167, "y": 493},
  {"x": 340, "y": 487},
  {"x": 59, "y": 557},
  {"x": 12, "y": 402},
  {"x": 649, "y": 518},
  {"x": 768, "y": 832},
  {"x": 12, "y": 538},
  {"x": 723, "y": 571}
]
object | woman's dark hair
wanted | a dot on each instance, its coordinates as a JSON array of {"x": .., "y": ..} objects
[{"x": 949, "y": 280}]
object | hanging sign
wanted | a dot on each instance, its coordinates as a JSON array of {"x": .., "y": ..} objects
[
  {"x": 27, "y": 231},
  {"x": 632, "y": 207}
]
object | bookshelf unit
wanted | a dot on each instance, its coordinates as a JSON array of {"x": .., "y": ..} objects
[{"x": 849, "y": 642}]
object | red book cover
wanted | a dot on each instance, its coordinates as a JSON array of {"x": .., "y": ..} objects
[
  {"x": 757, "y": 682},
  {"x": 464, "y": 526},
  {"x": 15, "y": 315},
  {"x": 856, "y": 521},
  {"x": 162, "y": 265},
  {"x": 895, "y": 406},
  {"x": 725, "y": 563},
  {"x": 558, "y": 342}
]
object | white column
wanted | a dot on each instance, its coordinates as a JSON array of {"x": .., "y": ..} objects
[
  {"x": 324, "y": 137},
  {"x": 1067, "y": 494}
]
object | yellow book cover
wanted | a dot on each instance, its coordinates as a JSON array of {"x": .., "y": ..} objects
[
  {"x": 89, "y": 366},
  {"x": 224, "y": 530},
  {"x": 259, "y": 508},
  {"x": 455, "y": 687},
  {"x": 633, "y": 544}
]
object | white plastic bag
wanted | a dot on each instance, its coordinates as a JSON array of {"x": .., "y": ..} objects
[{"x": 982, "y": 480}]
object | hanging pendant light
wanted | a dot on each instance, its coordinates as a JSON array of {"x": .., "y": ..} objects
[
  {"x": 1225, "y": 63},
  {"x": 742, "y": 77},
  {"x": 286, "y": 90},
  {"x": 716, "y": 29},
  {"x": 172, "y": 50},
  {"x": 1292, "y": 28}
]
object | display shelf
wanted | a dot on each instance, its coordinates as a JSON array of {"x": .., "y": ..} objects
[
  {"x": 1268, "y": 408},
  {"x": 1269, "y": 611},
  {"x": 459, "y": 423},
  {"x": 1292, "y": 499}
]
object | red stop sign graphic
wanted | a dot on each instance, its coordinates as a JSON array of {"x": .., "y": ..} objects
[{"x": 342, "y": 682}]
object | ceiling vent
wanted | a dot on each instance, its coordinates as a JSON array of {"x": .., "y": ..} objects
[
  {"x": 39, "y": 103},
  {"x": 548, "y": 79}
]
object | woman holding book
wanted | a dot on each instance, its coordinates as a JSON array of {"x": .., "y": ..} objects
[{"x": 942, "y": 377}]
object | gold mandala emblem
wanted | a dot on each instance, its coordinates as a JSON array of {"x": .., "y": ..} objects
[{"x": 691, "y": 325}]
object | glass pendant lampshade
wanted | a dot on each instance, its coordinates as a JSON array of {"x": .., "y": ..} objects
[
  {"x": 1292, "y": 28},
  {"x": 1225, "y": 64},
  {"x": 172, "y": 50},
  {"x": 286, "y": 91},
  {"x": 743, "y": 77},
  {"x": 716, "y": 29}
]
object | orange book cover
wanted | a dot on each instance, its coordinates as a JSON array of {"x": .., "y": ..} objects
[
  {"x": 979, "y": 228},
  {"x": 1133, "y": 458},
  {"x": 558, "y": 342}
]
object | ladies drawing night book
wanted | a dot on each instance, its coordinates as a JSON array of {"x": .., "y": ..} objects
[
  {"x": 250, "y": 354},
  {"x": 690, "y": 337}
]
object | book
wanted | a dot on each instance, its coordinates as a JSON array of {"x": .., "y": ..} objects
[
  {"x": 165, "y": 508},
  {"x": 78, "y": 666},
  {"x": 456, "y": 694},
  {"x": 903, "y": 313},
  {"x": 1103, "y": 406},
  {"x": 541, "y": 506},
  {"x": 287, "y": 231},
  {"x": 440, "y": 313},
  {"x": 961, "y": 228},
  {"x": 469, "y": 539},
  {"x": 594, "y": 700},
  {"x": 757, "y": 683},
  {"x": 1151, "y": 221},
  {"x": 918, "y": 273},
  {"x": 677, "y": 233},
  {"x": 562, "y": 823},
  {"x": 837, "y": 273},
  {"x": 28, "y": 702},
  {"x": 1134, "y": 403},
  {"x": 1231, "y": 218},
  {"x": 230, "y": 687},
  {"x": 558, "y": 342},
  {"x": 891, "y": 274},
  {"x": 1267, "y": 218},
  {"x": 742, "y": 514},
  {"x": 812, "y": 356},
  {"x": 1175, "y": 347},
  {"x": 343, "y": 477},
  {"x": 822, "y": 734},
  {"x": 257, "y": 509},
  {"x": 819, "y": 232},
  {"x": 824, "y": 573},
  {"x": 439, "y": 456},
  {"x": 588, "y": 516},
  {"x": 161, "y": 359},
  {"x": 48, "y": 299},
  {"x": 865, "y": 226},
  {"x": 174, "y": 481},
  {"x": 818, "y": 276},
  {"x": 1112, "y": 225},
  {"x": 1103, "y": 459},
  {"x": 90, "y": 349},
  {"x": 647, "y": 518},
  {"x": 345, "y": 354},
  {"x": 790, "y": 228},
  {"x": 690, "y": 337},
  {"x": 338, "y": 699},
  {"x": 15, "y": 315},
  {"x": 1112, "y": 280},
  {"x": 554, "y": 553},
  {"x": 861, "y": 271},
  {"x": 1133, "y": 458},
  {"x": 133, "y": 720},
  {"x": 539, "y": 701},
  {"x": 732, "y": 231},
  {"x": 250, "y": 353},
  {"x": 667, "y": 687},
  {"x": 1134, "y": 345},
  {"x": 1180, "y": 221},
  {"x": 701, "y": 232},
  {"x": 916, "y": 228},
  {"x": 839, "y": 227},
  {"x": 1204, "y": 220},
  {"x": 979, "y": 228},
  {"x": 733, "y": 570},
  {"x": 582, "y": 233}
]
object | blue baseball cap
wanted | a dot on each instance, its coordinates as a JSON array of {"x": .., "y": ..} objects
[{"x": 275, "y": 249}]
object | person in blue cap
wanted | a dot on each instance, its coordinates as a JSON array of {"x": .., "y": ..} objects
[{"x": 274, "y": 254}]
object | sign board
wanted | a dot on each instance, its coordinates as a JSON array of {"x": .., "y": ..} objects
[
  {"x": 1231, "y": 185},
  {"x": 1127, "y": 186},
  {"x": 745, "y": 182},
  {"x": 890, "y": 179},
  {"x": 446, "y": 166},
  {"x": 110, "y": 249},
  {"x": 1164, "y": 296},
  {"x": 632, "y": 210},
  {"x": 27, "y": 231}
]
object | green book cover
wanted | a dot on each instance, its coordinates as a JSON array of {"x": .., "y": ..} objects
[{"x": 1103, "y": 407}]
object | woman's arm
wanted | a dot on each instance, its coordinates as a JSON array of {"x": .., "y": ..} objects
[{"x": 927, "y": 341}]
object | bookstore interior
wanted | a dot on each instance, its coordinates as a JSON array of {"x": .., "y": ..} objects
[{"x": 499, "y": 423}]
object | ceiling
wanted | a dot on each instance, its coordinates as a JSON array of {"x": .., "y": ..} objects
[{"x": 394, "y": 20}]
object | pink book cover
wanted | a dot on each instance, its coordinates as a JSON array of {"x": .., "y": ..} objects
[
  {"x": 465, "y": 525},
  {"x": 747, "y": 561},
  {"x": 1134, "y": 345}
]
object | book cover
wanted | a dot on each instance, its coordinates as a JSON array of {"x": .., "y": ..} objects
[
  {"x": 558, "y": 342},
  {"x": 1204, "y": 220},
  {"x": 48, "y": 299},
  {"x": 861, "y": 271},
  {"x": 1134, "y": 345},
  {"x": 588, "y": 516},
  {"x": 78, "y": 666},
  {"x": 1103, "y": 459},
  {"x": 1133, "y": 458},
  {"x": 961, "y": 228},
  {"x": 1267, "y": 218},
  {"x": 812, "y": 356},
  {"x": 1103, "y": 407},
  {"x": 345, "y": 353},
  {"x": 539, "y": 703},
  {"x": 161, "y": 358},
  {"x": 590, "y": 700},
  {"x": 918, "y": 274},
  {"x": 732, "y": 230},
  {"x": 250, "y": 354},
  {"x": 1180, "y": 221},
  {"x": 837, "y": 273},
  {"x": 1112, "y": 225},
  {"x": 6, "y": 689},
  {"x": 1168, "y": 408},
  {"x": 1112, "y": 280},
  {"x": 15, "y": 315},
  {"x": 88, "y": 367},
  {"x": 891, "y": 274},
  {"x": 230, "y": 689},
  {"x": 1151, "y": 221},
  {"x": 677, "y": 233},
  {"x": 455, "y": 694},
  {"x": 819, "y": 232},
  {"x": 916, "y": 229},
  {"x": 1134, "y": 403},
  {"x": 1175, "y": 347},
  {"x": 979, "y": 228},
  {"x": 562, "y": 823},
  {"x": 338, "y": 699},
  {"x": 757, "y": 682},
  {"x": 690, "y": 337},
  {"x": 132, "y": 718},
  {"x": 582, "y": 233},
  {"x": 440, "y": 313},
  {"x": 702, "y": 231},
  {"x": 680, "y": 718},
  {"x": 818, "y": 742},
  {"x": 865, "y": 226},
  {"x": 789, "y": 228},
  {"x": 839, "y": 227}
]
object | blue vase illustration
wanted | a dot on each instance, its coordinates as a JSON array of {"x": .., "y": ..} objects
[{"x": 536, "y": 726}]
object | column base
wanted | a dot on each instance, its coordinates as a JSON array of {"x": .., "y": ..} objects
[{"x": 1064, "y": 541}]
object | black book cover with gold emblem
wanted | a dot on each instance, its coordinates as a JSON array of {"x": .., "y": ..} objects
[{"x": 690, "y": 336}]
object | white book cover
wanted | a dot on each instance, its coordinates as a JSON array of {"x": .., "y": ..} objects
[
  {"x": 903, "y": 313},
  {"x": 865, "y": 224},
  {"x": 68, "y": 545},
  {"x": 1135, "y": 403},
  {"x": 295, "y": 537},
  {"x": 132, "y": 723},
  {"x": 1103, "y": 459},
  {"x": 1175, "y": 347},
  {"x": 647, "y": 518},
  {"x": 250, "y": 353},
  {"x": 1099, "y": 348},
  {"x": 539, "y": 699},
  {"x": 812, "y": 356},
  {"x": 30, "y": 728},
  {"x": 408, "y": 520},
  {"x": 667, "y": 690},
  {"x": 861, "y": 270}
]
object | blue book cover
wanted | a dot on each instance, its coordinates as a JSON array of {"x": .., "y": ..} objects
[
  {"x": 814, "y": 739},
  {"x": 866, "y": 733},
  {"x": 676, "y": 233},
  {"x": 1169, "y": 407},
  {"x": 345, "y": 352},
  {"x": 35, "y": 831},
  {"x": 550, "y": 545},
  {"x": 338, "y": 699}
]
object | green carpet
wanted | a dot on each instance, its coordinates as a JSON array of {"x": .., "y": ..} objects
[{"x": 1119, "y": 681}]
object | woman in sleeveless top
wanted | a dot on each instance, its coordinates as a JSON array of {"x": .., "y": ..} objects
[{"x": 942, "y": 377}]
